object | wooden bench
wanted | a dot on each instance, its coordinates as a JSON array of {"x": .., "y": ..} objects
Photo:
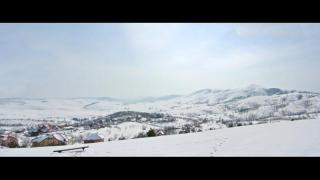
[{"x": 83, "y": 147}]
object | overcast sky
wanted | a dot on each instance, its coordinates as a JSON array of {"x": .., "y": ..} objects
[{"x": 137, "y": 60}]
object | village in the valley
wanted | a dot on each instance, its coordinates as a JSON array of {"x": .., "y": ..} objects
[{"x": 89, "y": 130}]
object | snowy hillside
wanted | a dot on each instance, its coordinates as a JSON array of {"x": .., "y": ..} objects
[
  {"x": 287, "y": 138},
  {"x": 116, "y": 119},
  {"x": 225, "y": 103}
]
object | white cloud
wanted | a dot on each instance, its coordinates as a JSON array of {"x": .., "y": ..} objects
[
  {"x": 267, "y": 30},
  {"x": 150, "y": 36},
  {"x": 134, "y": 60}
]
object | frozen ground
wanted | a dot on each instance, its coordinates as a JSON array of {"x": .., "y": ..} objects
[{"x": 286, "y": 138}]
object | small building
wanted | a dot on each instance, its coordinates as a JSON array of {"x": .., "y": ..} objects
[
  {"x": 49, "y": 140},
  {"x": 33, "y": 131},
  {"x": 40, "y": 129},
  {"x": 68, "y": 128},
  {"x": 61, "y": 125},
  {"x": 93, "y": 138},
  {"x": 9, "y": 139},
  {"x": 19, "y": 130},
  {"x": 159, "y": 132},
  {"x": 45, "y": 128}
]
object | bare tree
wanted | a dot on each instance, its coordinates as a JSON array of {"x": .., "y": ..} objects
[{"x": 307, "y": 103}]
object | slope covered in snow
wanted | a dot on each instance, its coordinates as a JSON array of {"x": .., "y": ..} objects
[
  {"x": 202, "y": 110},
  {"x": 286, "y": 138},
  {"x": 238, "y": 104},
  {"x": 206, "y": 101}
]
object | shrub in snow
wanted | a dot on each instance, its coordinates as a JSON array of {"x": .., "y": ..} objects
[
  {"x": 229, "y": 125},
  {"x": 122, "y": 138},
  {"x": 151, "y": 133},
  {"x": 188, "y": 128}
]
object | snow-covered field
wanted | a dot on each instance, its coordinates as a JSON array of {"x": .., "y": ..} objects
[{"x": 285, "y": 138}]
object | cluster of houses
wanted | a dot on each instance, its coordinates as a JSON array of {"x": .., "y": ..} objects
[
  {"x": 44, "y": 135},
  {"x": 58, "y": 139},
  {"x": 46, "y": 128},
  {"x": 41, "y": 129},
  {"x": 56, "y": 134},
  {"x": 50, "y": 135}
]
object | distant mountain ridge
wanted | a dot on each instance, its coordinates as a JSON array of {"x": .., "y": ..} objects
[{"x": 249, "y": 91}]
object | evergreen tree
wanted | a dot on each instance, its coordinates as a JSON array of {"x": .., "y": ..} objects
[{"x": 151, "y": 133}]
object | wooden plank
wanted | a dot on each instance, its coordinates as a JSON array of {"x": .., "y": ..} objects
[{"x": 83, "y": 148}]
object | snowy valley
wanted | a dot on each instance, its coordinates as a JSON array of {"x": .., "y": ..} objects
[{"x": 102, "y": 119}]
